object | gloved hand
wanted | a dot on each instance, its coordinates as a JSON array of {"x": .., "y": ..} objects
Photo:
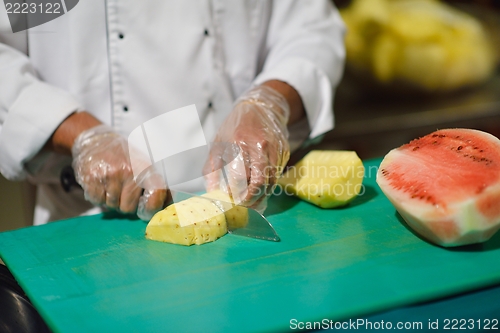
[
  {"x": 253, "y": 145},
  {"x": 102, "y": 167}
]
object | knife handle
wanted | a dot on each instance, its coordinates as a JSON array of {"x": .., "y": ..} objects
[{"x": 67, "y": 178}]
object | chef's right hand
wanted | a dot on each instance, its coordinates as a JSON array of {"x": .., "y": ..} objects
[{"x": 102, "y": 167}]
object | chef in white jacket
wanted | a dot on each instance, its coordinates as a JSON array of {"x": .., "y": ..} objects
[{"x": 72, "y": 89}]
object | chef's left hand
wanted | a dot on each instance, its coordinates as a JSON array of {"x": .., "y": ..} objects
[{"x": 253, "y": 144}]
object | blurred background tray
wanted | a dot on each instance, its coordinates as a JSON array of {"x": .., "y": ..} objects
[{"x": 373, "y": 122}]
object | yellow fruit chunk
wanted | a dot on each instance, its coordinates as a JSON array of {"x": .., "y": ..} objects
[
  {"x": 196, "y": 220},
  {"x": 237, "y": 216},
  {"x": 325, "y": 178},
  {"x": 426, "y": 44}
]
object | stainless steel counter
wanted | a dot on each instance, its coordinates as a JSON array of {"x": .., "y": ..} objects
[{"x": 374, "y": 123}]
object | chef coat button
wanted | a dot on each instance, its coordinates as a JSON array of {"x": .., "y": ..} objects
[
  {"x": 121, "y": 36},
  {"x": 206, "y": 32},
  {"x": 210, "y": 105},
  {"x": 125, "y": 108}
]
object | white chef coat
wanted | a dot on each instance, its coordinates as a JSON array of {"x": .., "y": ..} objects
[{"x": 129, "y": 61}]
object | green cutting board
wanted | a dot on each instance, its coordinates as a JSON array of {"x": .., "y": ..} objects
[{"x": 99, "y": 273}]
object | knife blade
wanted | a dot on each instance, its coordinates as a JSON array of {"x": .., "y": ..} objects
[{"x": 257, "y": 227}]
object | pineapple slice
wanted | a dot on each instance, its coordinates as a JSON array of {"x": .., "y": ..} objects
[
  {"x": 191, "y": 221},
  {"x": 236, "y": 217},
  {"x": 195, "y": 220},
  {"x": 425, "y": 43},
  {"x": 325, "y": 178}
]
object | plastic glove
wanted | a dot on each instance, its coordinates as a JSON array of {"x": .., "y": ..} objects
[
  {"x": 102, "y": 167},
  {"x": 251, "y": 148}
]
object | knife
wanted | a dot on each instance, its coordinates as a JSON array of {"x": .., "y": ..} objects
[{"x": 257, "y": 227}]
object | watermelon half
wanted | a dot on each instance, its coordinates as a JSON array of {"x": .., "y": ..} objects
[{"x": 446, "y": 185}]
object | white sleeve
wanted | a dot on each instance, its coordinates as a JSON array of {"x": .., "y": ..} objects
[
  {"x": 305, "y": 48},
  {"x": 30, "y": 111}
]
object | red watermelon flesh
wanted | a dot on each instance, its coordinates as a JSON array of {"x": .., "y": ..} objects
[{"x": 446, "y": 185}]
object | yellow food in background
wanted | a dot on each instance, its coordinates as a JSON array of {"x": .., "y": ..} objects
[
  {"x": 196, "y": 220},
  {"x": 425, "y": 43},
  {"x": 326, "y": 178}
]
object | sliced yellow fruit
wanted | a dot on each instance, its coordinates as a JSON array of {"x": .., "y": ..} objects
[
  {"x": 385, "y": 53},
  {"x": 326, "y": 178},
  {"x": 195, "y": 220},
  {"x": 236, "y": 217},
  {"x": 427, "y": 44}
]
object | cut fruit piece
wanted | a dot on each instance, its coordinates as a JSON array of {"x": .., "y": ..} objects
[
  {"x": 196, "y": 220},
  {"x": 326, "y": 178},
  {"x": 192, "y": 221},
  {"x": 237, "y": 216},
  {"x": 446, "y": 185},
  {"x": 416, "y": 45}
]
